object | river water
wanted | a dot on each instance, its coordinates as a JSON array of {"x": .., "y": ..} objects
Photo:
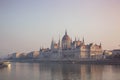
[{"x": 59, "y": 71}]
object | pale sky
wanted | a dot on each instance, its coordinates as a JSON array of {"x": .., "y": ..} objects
[{"x": 25, "y": 25}]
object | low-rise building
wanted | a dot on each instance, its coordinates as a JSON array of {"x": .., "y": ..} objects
[
  {"x": 116, "y": 52},
  {"x": 33, "y": 54},
  {"x": 18, "y": 55}
]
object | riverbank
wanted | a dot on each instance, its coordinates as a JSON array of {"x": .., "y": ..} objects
[{"x": 85, "y": 61}]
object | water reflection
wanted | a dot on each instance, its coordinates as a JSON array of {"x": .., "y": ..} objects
[
  {"x": 74, "y": 72},
  {"x": 9, "y": 67},
  {"x": 62, "y": 71}
]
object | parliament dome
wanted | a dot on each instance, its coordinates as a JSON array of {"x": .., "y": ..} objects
[
  {"x": 65, "y": 37},
  {"x": 66, "y": 41}
]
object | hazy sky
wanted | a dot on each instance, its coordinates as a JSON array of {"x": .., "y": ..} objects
[{"x": 25, "y": 25}]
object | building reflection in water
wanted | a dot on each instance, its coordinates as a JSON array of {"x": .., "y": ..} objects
[
  {"x": 59, "y": 71},
  {"x": 70, "y": 72},
  {"x": 50, "y": 71},
  {"x": 9, "y": 67}
]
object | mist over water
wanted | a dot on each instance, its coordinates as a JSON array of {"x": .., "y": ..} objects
[{"x": 59, "y": 71}]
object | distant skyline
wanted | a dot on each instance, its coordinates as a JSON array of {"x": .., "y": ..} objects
[{"x": 25, "y": 25}]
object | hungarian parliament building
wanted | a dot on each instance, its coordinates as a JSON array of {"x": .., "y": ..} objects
[{"x": 66, "y": 49}]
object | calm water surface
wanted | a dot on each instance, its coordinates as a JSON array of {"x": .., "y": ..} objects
[{"x": 55, "y": 71}]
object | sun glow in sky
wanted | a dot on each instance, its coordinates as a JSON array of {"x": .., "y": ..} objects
[{"x": 25, "y": 25}]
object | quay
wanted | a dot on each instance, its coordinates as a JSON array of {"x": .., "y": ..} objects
[{"x": 85, "y": 61}]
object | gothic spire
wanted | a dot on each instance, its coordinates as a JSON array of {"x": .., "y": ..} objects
[
  {"x": 65, "y": 32},
  {"x": 83, "y": 40},
  {"x": 59, "y": 42},
  {"x": 75, "y": 39},
  {"x": 100, "y": 44},
  {"x": 52, "y": 43}
]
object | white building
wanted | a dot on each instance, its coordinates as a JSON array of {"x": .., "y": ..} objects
[
  {"x": 68, "y": 49},
  {"x": 116, "y": 52},
  {"x": 15, "y": 55},
  {"x": 18, "y": 55},
  {"x": 33, "y": 54}
]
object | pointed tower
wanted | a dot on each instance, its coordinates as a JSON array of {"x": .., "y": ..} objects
[
  {"x": 83, "y": 41},
  {"x": 52, "y": 44},
  {"x": 59, "y": 43},
  {"x": 75, "y": 44},
  {"x": 100, "y": 45},
  {"x": 78, "y": 39},
  {"x": 65, "y": 32},
  {"x": 66, "y": 41},
  {"x": 75, "y": 39},
  {"x": 40, "y": 49}
]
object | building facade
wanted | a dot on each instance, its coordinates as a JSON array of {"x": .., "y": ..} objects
[
  {"x": 116, "y": 52},
  {"x": 32, "y": 55},
  {"x": 18, "y": 55},
  {"x": 66, "y": 49}
]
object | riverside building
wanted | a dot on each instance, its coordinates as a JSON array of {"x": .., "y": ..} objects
[{"x": 66, "y": 49}]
